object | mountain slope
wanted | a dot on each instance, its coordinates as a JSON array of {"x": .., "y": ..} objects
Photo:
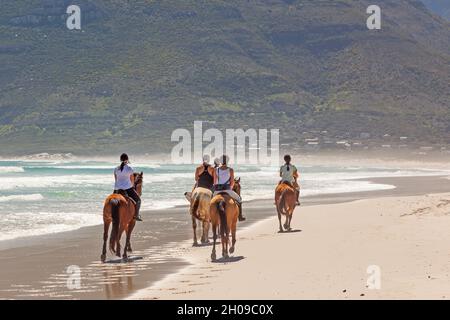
[{"x": 138, "y": 71}]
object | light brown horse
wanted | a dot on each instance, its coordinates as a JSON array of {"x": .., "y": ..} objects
[
  {"x": 200, "y": 200},
  {"x": 120, "y": 210},
  {"x": 285, "y": 201},
  {"x": 224, "y": 213}
]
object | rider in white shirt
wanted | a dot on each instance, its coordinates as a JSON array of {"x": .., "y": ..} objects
[
  {"x": 124, "y": 182},
  {"x": 289, "y": 175},
  {"x": 224, "y": 183}
]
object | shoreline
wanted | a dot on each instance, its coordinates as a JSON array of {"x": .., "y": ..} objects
[{"x": 51, "y": 254}]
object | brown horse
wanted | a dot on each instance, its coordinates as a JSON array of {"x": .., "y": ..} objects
[
  {"x": 224, "y": 213},
  {"x": 120, "y": 210},
  {"x": 200, "y": 200},
  {"x": 285, "y": 201}
]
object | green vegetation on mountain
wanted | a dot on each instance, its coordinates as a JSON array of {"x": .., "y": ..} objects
[{"x": 139, "y": 69}]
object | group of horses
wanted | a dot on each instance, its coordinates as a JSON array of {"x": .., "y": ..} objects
[{"x": 221, "y": 212}]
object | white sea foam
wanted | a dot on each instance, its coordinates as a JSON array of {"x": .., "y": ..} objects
[
  {"x": 32, "y": 200},
  {"x": 11, "y": 169},
  {"x": 22, "y": 197},
  {"x": 40, "y": 223}
]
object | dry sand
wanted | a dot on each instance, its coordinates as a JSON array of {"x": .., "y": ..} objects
[{"x": 408, "y": 238}]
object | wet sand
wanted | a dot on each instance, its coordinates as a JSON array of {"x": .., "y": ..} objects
[{"x": 35, "y": 267}]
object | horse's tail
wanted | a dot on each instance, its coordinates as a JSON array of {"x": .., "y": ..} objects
[
  {"x": 282, "y": 202},
  {"x": 115, "y": 205},
  {"x": 223, "y": 218},
  {"x": 194, "y": 207}
]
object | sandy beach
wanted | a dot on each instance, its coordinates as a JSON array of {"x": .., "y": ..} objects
[
  {"x": 402, "y": 230},
  {"x": 328, "y": 255}
]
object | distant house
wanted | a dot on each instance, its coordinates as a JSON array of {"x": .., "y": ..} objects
[
  {"x": 364, "y": 135},
  {"x": 403, "y": 138}
]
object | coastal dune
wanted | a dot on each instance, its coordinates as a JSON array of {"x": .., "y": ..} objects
[{"x": 381, "y": 248}]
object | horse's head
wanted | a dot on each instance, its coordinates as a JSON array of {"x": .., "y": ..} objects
[
  {"x": 237, "y": 186},
  {"x": 138, "y": 182}
]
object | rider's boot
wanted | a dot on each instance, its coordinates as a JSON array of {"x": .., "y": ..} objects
[
  {"x": 137, "y": 216},
  {"x": 241, "y": 217}
]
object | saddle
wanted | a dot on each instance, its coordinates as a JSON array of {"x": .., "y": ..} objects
[{"x": 124, "y": 194}]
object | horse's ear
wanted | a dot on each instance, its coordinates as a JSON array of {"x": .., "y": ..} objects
[
  {"x": 142, "y": 173},
  {"x": 238, "y": 180}
]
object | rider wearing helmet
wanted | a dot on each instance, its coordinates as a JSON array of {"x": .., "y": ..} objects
[{"x": 204, "y": 174}]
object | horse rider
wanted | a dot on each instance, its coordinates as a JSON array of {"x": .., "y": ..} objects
[
  {"x": 124, "y": 183},
  {"x": 289, "y": 176},
  {"x": 204, "y": 175},
  {"x": 224, "y": 183},
  {"x": 216, "y": 163}
]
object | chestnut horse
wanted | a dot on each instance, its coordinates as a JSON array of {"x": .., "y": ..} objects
[
  {"x": 224, "y": 213},
  {"x": 285, "y": 201},
  {"x": 200, "y": 200},
  {"x": 120, "y": 210}
]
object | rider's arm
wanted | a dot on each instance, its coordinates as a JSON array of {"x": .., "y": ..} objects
[
  {"x": 231, "y": 178},
  {"x": 215, "y": 177},
  {"x": 197, "y": 174}
]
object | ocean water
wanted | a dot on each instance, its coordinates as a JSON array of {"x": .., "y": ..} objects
[{"x": 40, "y": 197}]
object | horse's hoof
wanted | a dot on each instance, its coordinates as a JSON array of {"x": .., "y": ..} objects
[
  {"x": 195, "y": 244},
  {"x": 232, "y": 250},
  {"x": 213, "y": 256},
  {"x": 129, "y": 250},
  {"x": 103, "y": 258},
  {"x": 125, "y": 259}
]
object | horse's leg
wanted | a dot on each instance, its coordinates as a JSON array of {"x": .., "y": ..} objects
[
  {"x": 286, "y": 225},
  {"x": 213, "y": 253},
  {"x": 225, "y": 240},
  {"x": 194, "y": 228},
  {"x": 205, "y": 225},
  {"x": 233, "y": 235},
  {"x": 288, "y": 221},
  {"x": 105, "y": 239},
  {"x": 129, "y": 232},
  {"x": 119, "y": 235},
  {"x": 125, "y": 254},
  {"x": 279, "y": 218}
]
